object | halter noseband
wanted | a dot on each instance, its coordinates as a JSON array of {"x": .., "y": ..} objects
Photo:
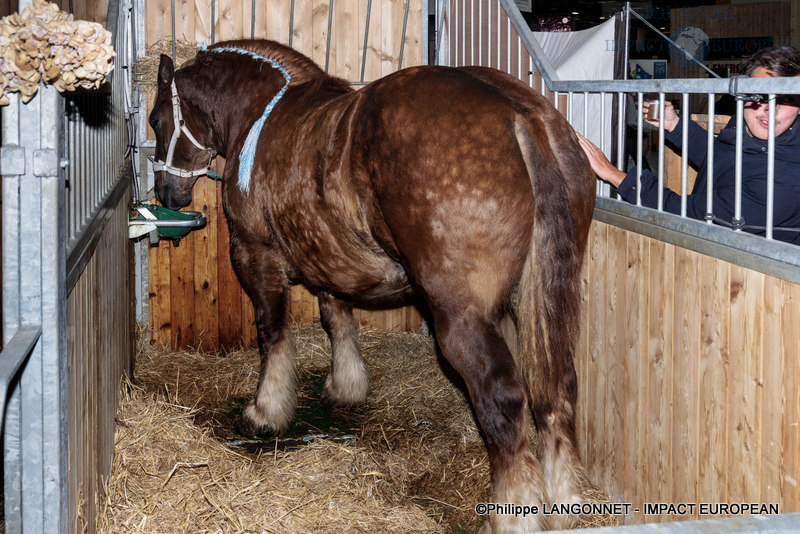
[{"x": 180, "y": 126}]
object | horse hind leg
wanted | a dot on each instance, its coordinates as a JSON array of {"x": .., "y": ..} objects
[
  {"x": 347, "y": 382},
  {"x": 554, "y": 416},
  {"x": 474, "y": 346}
]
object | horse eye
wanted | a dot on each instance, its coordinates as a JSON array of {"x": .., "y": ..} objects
[{"x": 153, "y": 123}]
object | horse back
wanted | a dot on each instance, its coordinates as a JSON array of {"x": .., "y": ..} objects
[{"x": 443, "y": 152}]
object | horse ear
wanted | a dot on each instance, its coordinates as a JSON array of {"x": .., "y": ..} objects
[{"x": 166, "y": 70}]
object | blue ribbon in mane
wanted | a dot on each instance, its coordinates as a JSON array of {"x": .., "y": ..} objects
[{"x": 247, "y": 155}]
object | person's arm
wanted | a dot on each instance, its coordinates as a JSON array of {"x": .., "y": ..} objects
[
  {"x": 697, "y": 141},
  {"x": 626, "y": 182},
  {"x": 603, "y": 168},
  {"x": 673, "y": 133}
]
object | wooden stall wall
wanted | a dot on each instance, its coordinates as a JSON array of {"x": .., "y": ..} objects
[
  {"x": 195, "y": 299},
  {"x": 689, "y": 377},
  {"x": 100, "y": 345},
  {"x": 92, "y": 10}
]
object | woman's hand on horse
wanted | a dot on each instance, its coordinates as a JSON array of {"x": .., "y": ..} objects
[
  {"x": 670, "y": 117},
  {"x": 600, "y": 164}
]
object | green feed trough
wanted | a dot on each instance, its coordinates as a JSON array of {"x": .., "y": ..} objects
[{"x": 164, "y": 222}]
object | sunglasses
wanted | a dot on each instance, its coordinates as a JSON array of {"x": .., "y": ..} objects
[{"x": 781, "y": 100}]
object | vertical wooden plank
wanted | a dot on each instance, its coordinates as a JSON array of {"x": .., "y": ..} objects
[
  {"x": 745, "y": 387},
  {"x": 88, "y": 379},
  {"x": 615, "y": 394},
  {"x": 320, "y": 31},
  {"x": 82, "y": 385},
  {"x": 303, "y": 33},
  {"x": 636, "y": 469},
  {"x": 412, "y": 53},
  {"x": 309, "y": 303},
  {"x": 158, "y": 21},
  {"x": 89, "y": 482},
  {"x": 295, "y": 301},
  {"x": 685, "y": 407},
  {"x": 185, "y": 18},
  {"x": 773, "y": 408},
  {"x": 244, "y": 22},
  {"x": 72, "y": 437},
  {"x": 389, "y": 36},
  {"x": 714, "y": 378},
  {"x": 160, "y": 294},
  {"x": 229, "y": 296},
  {"x": 8, "y": 7},
  {"x": 344, "y": 40},
  {"x": 596, "y": 368},
  {"x": 790, "y": 457},
  {"x": 206, "y": 281},
  {"x": 278, "y": 20},
  {"x": 248, "y": 322},
  {"x": 182, "y": 293},
  {"x": 230, "y": 21},
  {"x": 203, "y": 22},
  {"x": 660, "y": 314},
  {"x": 413, "y": 320}
]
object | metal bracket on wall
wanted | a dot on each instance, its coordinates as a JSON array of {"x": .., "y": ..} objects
[
  {"x": 12, "y": 160},
  {"x": 46, "y": 162}
]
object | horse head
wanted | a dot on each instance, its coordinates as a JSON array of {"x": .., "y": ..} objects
[{"x": 182, "y": 152}]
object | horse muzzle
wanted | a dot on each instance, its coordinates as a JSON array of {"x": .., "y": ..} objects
[{"x": 172, "y": 197}]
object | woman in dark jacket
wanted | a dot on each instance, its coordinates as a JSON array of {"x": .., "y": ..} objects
[{"x": 786, "y": 210}]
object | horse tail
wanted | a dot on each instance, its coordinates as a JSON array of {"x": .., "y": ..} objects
[{"x": 547, "y": 300}]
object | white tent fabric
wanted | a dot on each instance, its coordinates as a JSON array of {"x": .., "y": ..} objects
[{"x": 584, "y": 55}]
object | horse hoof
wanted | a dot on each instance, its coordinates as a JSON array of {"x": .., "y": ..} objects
[
  {"x": 335, "y": 399},
  {"x": 247, "y": 429},
  {"x": 256, "y": 420},
  {"x": 345, "y": 393}
]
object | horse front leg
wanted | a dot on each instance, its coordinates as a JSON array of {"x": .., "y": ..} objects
[
  {"x": 348, "y": 380},
  {"x": 272, "y": 408}
]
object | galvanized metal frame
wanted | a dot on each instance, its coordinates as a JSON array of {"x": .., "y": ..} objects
[
  {"x": 96, "y": 121},
  {"x": 57, "y": 172},
  {"x": 34, "y": 295},
  {"x": 759, "y": 253}
]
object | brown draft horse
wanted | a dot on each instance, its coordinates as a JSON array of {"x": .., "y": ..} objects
[{"x": 459, "y": 185}]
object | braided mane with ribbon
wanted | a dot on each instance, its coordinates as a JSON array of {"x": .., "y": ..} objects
[{"x": 247, "y": 154}]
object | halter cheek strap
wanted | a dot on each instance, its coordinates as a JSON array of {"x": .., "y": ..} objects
[{"x": 180, "y": 127}]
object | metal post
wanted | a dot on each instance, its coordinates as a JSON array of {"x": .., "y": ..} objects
[
  {"x": 366, "y": 42},
  {"x": 403, "y": 41},
  {"x": 639, "y": 140},
  {"x": 684, "y": 153},
  {"x": 737, "y": 197},
  {"x": 770, "y": 167},
  {"x": 328, "y": 45},
  {"x": 34, "y": 272},
  {"x": 710, "y": 159}
]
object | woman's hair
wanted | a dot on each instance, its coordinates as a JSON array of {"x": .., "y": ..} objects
[{"x": 784, "y": 61}]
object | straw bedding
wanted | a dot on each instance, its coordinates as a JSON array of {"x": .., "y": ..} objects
[{"x": 410, "y": 460}]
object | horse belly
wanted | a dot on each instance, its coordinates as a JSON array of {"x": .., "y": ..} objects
[{"x": 364, "y": 273}]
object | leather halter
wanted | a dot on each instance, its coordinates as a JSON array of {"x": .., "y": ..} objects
[{"x": 180, "y": 126}]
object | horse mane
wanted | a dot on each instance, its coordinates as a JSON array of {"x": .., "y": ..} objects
[{"x": 301, "y": 68}]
